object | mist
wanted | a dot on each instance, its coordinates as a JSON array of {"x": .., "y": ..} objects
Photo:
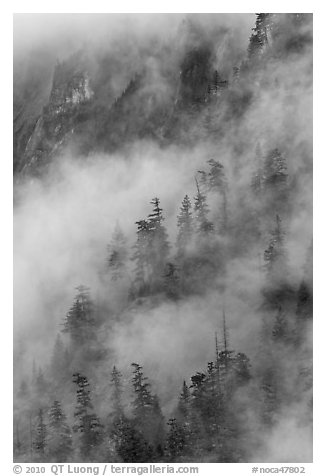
[{"x": 64, "y": 218}]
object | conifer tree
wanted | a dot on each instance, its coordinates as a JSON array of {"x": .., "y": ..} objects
[
  {"x": 131, "y": 444},
  {"x": 184, "y": 402},
  {"x": 159, "y": 245},
  {"x": 87, "y": 422},
  {"x": 275, "y": 255},
  {"x": 204, "y": 227},
  {"x": 217, "y": 183},
  {"x": 175, "y": 440},
  {"x": 117, "y": 254},
  {"x": 148, "y": 417},
  {"x": 40, "y": 434},
  {"x": 117, "y": 393},
  {"x": 141, "y": 256},
  {"x": 275, "y": 171},
  {"x": 143, "y": 400},
  {"x": 172, "y": 281},
  {"x": 59, "y": 434},
  {"x": 185, "y": 226},
  {"x": 80, "y": 320}
]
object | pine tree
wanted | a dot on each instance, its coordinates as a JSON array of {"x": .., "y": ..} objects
[
  {"x": 216, "y": 176},
  {"x": 148, "y": 417},
  {"x": 141, "y": 256},
  {"x": 217, "y": 183},
  {"x": 275, "y": 170},
  {"x": 185, "y": 226},
  {"x": 80, "y": 321},
  {"x": 172, "y": 281},
  {"x": 60, "y": 438},
  {"x": 204, "y": 227},
  {"x": 130, "y": 443},
  {"x": 159, "y": 245},
  {"x": 175, "y": 440},
  {"x": 117, "y": 254},
  {"x": 87, "y": 422},
  {"x": 117, "y": 393},
  {"x": 40, "y": 434},
  {"x": 143, "y": 398},
  {"x": 184, "y": 402}
]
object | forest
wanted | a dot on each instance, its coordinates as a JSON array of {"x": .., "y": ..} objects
[{"x": 238, "y": 244}]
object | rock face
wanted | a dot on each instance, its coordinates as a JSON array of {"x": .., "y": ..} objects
[
  {"x": 71, "y": 93},
  {"x": 84, "y": 112},
  {"x": 100, "y": 101}
]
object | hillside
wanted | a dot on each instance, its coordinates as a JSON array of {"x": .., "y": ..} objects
[{"x": 163, "y": 244}]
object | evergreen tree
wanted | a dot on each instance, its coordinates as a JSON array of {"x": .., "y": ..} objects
[
  {"x": 275, "y": 171},
  {"x": 117, "y": 393},
  {"x": 117, "y": 254},
  {"x": 216, "y": 176},
  {"x": 184, "y": 402},
  {"x": 130, "y": 443},
  {"x": 80, "y": 321},
  {"x": 175, "y": 440},
  {"x": 40, "y": 434},
  {"x": 148, "y": 417},
  {"x": 217, "y": 183},
  {"x": 172, "y": 281},
  {"x": 275, "y": 255},
  {"x": 204, "y": 227},
  {"x": 143, "y": 401},
  {"x": 185, "y": 226},
  {"x": 159, "y": 245},
  {"x": 87, "y": 422},
  {"x": 60, "y": 438},
  {"x": 141, "y": 256}
]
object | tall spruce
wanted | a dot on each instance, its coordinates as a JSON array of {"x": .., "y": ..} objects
[
  {"x": 148, "y": 416},
  {"x": 87, "y": 422},
  {"x": 159, "y": 245},
  {"x": 185, "y": 227},
  {"x": 80, "y": 320},
  {"x": 141, "y": 256},
  {"x": 40, "y": 435},
  {"x": 117, "y": 407},
  {"x": 204, "y": 227},
  {"x": 59, "y": 434}
]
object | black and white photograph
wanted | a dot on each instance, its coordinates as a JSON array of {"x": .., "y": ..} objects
[{"x": 163, "y": 238}]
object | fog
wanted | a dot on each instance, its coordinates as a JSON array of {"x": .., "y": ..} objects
[{"x": 64, "y": 220}]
